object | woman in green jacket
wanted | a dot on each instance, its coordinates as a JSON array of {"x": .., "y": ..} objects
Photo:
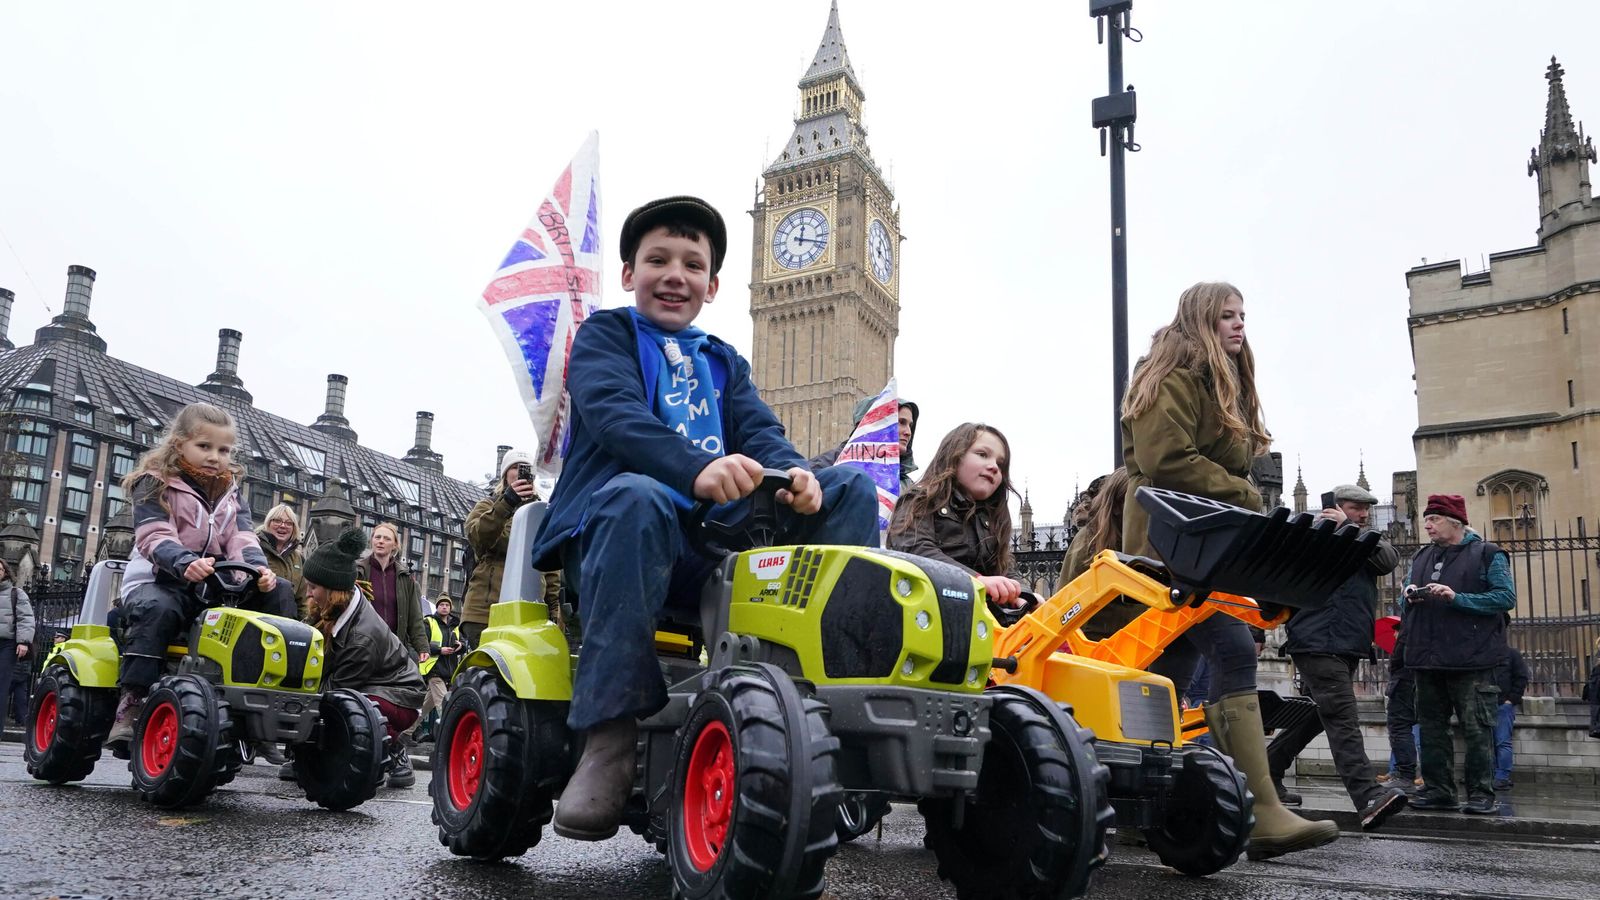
[
  {"x": 1192, "y": 422},
  {"x": 281, "y": 542}
]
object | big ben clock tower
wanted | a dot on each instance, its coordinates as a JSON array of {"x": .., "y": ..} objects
[{"x": 825, "y": 275}]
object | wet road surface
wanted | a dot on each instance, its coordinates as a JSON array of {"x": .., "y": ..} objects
[{"x": 258, "y": 837}]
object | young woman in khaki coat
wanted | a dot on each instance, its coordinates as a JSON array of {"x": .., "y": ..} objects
[{"x": 1192, "y": 422}]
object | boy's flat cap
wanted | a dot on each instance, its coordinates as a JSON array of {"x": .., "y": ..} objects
[{"x": 693, "y": 209}]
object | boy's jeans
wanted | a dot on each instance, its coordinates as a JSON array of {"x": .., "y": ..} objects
[
  {"x": 634, "y": 554},
  {"x": 1504, "y": 721}
]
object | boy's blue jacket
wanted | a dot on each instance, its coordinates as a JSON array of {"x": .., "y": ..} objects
[{"x": 611, "y": 378}]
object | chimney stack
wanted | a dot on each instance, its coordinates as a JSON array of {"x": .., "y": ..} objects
[
  {"x": 500, "y": 459},
  {"x": 6, "y": 299},
  {"x": 225, "y": 380},
  {"x": 73, "y": 324},
  {"x": 332, "y": 421},
  {"x": 421, "y": 454},
  {"x": 80, "y": 284}
]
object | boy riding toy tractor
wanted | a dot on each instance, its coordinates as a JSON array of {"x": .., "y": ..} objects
[{"x": 807, "y": 671}]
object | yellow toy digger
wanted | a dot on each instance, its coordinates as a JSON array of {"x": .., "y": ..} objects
[{"x": 1187, "y": 799}]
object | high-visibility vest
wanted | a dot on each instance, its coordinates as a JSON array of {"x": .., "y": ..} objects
[{"x": 435, "y": 636}]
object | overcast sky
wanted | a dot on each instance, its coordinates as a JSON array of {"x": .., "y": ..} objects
[{"x": 339, "y": 181}]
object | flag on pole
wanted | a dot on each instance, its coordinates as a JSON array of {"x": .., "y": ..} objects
[
  {"x": 875, "y": 447},
  {"x": 547, "y": 286}
]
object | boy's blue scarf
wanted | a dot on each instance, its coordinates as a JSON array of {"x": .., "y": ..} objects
[{"x": 686, "y": 398}]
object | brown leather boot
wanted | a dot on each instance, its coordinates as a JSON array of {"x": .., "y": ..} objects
[
  {"x": 1235, "y": 724},
  {"x": 591, "y": 804}
]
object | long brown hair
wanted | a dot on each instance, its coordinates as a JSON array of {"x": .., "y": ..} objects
[
  {"x": 938, "y": 487},
  {"x": 1105, "y": 513},
  {"x": 1190, "y": 342}
]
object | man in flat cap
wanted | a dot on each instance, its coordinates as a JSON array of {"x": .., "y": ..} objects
[
  {"x": 1457, "y": 598},
  {"x": 1326, "y": 645}
]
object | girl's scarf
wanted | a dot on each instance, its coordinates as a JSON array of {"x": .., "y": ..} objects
[{"x": 213, "y": 487}]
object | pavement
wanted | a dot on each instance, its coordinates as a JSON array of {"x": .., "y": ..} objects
[
  {"x": 259, "y": 838},
  {"x": 1532, "y": 810},
  {"x": 1540, "y": 811}
]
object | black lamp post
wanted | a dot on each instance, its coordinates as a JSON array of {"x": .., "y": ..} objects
[{"x": 1114, "y": 115}]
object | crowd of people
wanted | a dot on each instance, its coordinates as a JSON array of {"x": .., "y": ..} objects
[{"x": 664, "y": 416}]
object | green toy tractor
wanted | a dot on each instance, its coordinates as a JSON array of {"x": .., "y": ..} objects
[
  {"x": 242, "y": 677},
  {"x": 810, "y": 674}
]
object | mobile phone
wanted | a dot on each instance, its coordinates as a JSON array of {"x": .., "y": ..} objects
[
  {"x": 1327, "y": 500},
  {"x": 525, "y": 472}
]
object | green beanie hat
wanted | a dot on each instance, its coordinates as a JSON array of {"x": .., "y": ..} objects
[{"x": 334, "y": 565}]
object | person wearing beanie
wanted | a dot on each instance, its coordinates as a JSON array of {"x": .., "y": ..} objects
[
  {"x": 1455, "y": 610},
  {"x": 488, "y": 534},
  {"x": 363, "y": 653}
]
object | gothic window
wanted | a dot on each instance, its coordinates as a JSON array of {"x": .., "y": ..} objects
[{"x": 1513, "y": 505}]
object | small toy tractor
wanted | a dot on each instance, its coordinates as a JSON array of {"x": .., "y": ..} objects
[
  {"x": 1187, "y": 800},
  {"x": 243, "y": 676},
  {"x": 827, "y": 670}
]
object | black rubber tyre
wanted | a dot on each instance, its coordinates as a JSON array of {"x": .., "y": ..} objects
[
  {"x": 858, "y": 814},
  {"x": 497, "y": 765},
  {"x": 183, "y": 744},
  {"x": 1036, "y": 826},
  {"x": 754, "y": 790},
  {"x": 67, "y": 725},
  {"x": 1209, "y": 815},
  {"x": 342, "y": 766}
]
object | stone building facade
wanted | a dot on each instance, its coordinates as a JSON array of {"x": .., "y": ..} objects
[
  {"x": 825, "y": 270},
  {"x": 1508, "y": 359},
  {"x": 76, "y": 420}
]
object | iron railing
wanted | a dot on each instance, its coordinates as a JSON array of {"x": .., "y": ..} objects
[{"x": 1555, "y": 624}]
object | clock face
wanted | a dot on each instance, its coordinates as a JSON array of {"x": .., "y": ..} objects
[
  {"x": 881, "y": 251},
  {"x": 800, "y": 238}
]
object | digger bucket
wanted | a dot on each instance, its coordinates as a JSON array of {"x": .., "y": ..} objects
[{"x": 1279, "y": 557}]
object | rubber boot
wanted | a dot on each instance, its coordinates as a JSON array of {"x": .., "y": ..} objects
[
  {"x": 1235, "y": 724},
  {"x": 591, "y": 804},
  {"x": 121, "y": 735}
]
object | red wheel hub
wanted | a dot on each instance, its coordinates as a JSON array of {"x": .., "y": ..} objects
[
  {"x": 708, "y": 796},
  {"x": 160, "y": 740},
  {"x": 466, "y": 760},
  {"x": 44, "y": 724}
]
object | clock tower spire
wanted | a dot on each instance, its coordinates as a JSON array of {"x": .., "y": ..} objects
[{"x": 825, "y": 280}]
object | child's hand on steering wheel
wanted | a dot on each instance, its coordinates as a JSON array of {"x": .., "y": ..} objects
[
  {"x": 1005, "y": 591},
  {"x": 804, "y": 495},
  {"x": 267, "y": 581},
  {"x": 199, "y": 570}
]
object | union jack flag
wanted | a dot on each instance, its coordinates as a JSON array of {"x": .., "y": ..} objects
[
  {"x": 875, "y": 447},
  {"x": 547, "y": 286}
]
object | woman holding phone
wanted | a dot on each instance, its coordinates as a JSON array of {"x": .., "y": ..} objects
[
  {"x": 1192, "y": 422},
  {"x": 488, "y": 531}
]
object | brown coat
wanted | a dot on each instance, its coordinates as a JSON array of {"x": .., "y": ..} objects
[
  {"x": 407, "y": 603},
  {"x": 954, "y": 534},
  {"x": 489, "y": 532},
  {"x": 1179, "y": 444},
  {"x": 289, "y": 564}
]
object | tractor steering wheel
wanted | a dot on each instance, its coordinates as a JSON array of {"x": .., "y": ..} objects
[
  {"x": 758, "y": 527},
  {"x": 228, "y": 584}
]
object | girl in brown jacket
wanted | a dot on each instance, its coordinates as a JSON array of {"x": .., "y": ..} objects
[
  {"x": 960, "y": 511},
  {"x": 1191, "y": 422}
]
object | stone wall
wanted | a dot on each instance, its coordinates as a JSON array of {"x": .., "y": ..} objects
[{"x": 1551, "y": 743}]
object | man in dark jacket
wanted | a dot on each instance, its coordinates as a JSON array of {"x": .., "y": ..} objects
[
  {"x": 1326, "y": 645},
  {"x": 1511, "y": 676},
  {"x": 907, "y": 426},
  {"x": 1456, "y": 600}
]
